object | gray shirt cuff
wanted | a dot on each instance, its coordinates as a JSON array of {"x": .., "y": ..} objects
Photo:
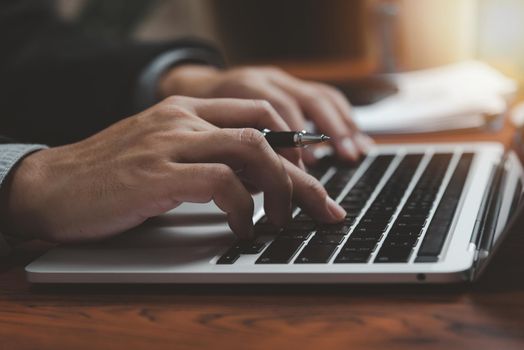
[{"x": 10, "y": 154}]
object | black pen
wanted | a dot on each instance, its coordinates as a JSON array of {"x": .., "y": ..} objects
[{"x": 292, "y": 138}]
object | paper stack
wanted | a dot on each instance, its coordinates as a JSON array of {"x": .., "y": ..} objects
[{"x": 458, "y": 96}]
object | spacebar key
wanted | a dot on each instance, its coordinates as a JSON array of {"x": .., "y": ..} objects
[{"x": 281, "y": 251}]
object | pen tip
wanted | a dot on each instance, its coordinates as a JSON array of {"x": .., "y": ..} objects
[{"x": 325, "y": 138}]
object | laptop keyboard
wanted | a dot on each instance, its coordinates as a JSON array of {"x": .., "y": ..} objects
[
  {"x": 386, "y": 223},
  {"x": 440, "y": 224}
]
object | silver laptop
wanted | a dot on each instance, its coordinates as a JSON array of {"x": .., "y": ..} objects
[{"x": 424, "y": 213}]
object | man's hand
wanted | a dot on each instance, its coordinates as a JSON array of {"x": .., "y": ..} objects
[
  {"x": 150, "y": 163},
  {"x": 294, "y": 99}
]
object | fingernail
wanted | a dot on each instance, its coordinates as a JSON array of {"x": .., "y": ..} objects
[
  {"x": 364, "y": 141},
  {"x": 336, "y": 211},
  {"x": 349, "y": 147}
]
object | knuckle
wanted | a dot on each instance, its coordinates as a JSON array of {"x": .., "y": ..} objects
[
  {"x": 166, "y": 109},
  {"x": 174, "y": 99},
  {"x": 252, "y": 138},
  {"x": 335, "y": 92},
  {"x": 223, "y": 175},
  {"x": 263, "y": 105},
  {"x": 311, "y": 93},
  {"x": 286, "y": 105},
  {"x": 248, "y": 75},
  {"x": 274, "y": 69},
  {"x": 316, "y": 104},
  {"x": 266, "y": 109},
  {"x": 170, "y": 111}
]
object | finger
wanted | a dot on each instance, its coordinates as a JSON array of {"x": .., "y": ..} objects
[
  {"x": 339, "y": 101},
  {"x": 239, "y": 113},
  {"x": 323, "y": 113},
  {"x": 285, "y": 105},
  {"x": 294, "y": 155},
  {"x": 311, "y": 196},
  {"x": 201, "y": 183},
  {"x": 247, "y": 152},
  {"x": 363, "y": 142},
  {"x": 179, "y": 114},
  {"x": 290, "y": 112}
]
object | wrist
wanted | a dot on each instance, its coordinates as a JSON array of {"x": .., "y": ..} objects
[
  {"x": 187, "y": 80},
  {"x": 19, "y": 198}
]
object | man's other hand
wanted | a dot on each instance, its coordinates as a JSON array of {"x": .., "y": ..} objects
[{"x": 294, "y": 99}]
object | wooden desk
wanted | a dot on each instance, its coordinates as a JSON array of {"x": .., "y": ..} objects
[{"x": 485, "y": 315}]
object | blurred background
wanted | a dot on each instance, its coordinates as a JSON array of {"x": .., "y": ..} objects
[{"x": 315, "y": 38}]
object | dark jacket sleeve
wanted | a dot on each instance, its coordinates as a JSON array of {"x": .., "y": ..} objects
[
  {"x": 4, "y": 139},
  {"x": 58, "y": 85}
]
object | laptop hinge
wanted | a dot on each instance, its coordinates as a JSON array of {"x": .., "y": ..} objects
[{"x": 486, "y": 223}]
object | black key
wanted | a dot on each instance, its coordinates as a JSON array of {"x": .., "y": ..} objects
[
  {"x": 374, "y": 222},
  {"x": 410, "y": 221},
  {"x": 350, "y": 219},
  {"x": 302, "y": 217},
  {"x": 374, "y": 172},
  {"x": 404, "y": 234},
  {"x": 439, "y": 226},
  {"x": 361, "y": 232},
  {"x": 406, "y": 225},
  {"x": 356, "y": 197},
  {"x": 265, "y": 229},
  {"x": 352, "y": 203},
  {"x": 399, "y": 242},
  {"x": 393, "y": 255},
  {"x": 379, "y": 226},
  {"x": 280, "y": 251},
  {"x": 249, "y": 247},
  {"x": 295, "y": 234},
  {"x": 316, "y": 253},
  {"x": 301, "y": 225},
  {"x": 358, "y": 247},
  {"x": 340, "y": 229},
  {"x": 229, "y": 257},
  {"x": 327, "y": 239},
  {"x": 363, "y": 245},
  {"x": 392, "y": 192},
  {"x": 349, "y": 257},
  {"x": 371, "y": 239},
  {"x": 418, "y": 218}
]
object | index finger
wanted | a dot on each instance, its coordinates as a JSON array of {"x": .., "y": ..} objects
[
  {"x": 244, "y": 113},
  {"x": 247, "y": 152},
  {"x": 311, "y": 196}
]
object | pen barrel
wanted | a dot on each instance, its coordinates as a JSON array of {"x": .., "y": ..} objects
[{"x": 281, "y": 139}]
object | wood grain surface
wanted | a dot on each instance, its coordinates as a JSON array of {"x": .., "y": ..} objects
[{"x": 486, "y": 315}]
